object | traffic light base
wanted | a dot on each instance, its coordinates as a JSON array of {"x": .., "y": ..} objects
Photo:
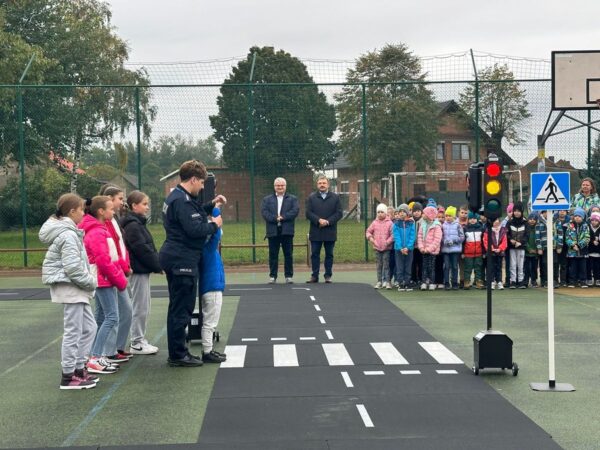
[
  {"x": 493, "y": 350},
  {"x": 550, "y": 387}
]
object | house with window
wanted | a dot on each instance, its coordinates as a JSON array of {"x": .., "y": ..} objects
[{"x": 446, "y": 181}]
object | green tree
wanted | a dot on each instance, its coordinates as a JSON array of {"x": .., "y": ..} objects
[
  {"x": 168, "y": 152},
  {"x": 402, "y": 118},
  {"x": 293, "y": 126},
  {"x": 79, "y": 37},
  {"x": 502, "y": 105}
]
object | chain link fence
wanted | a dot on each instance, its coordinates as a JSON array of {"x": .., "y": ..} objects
[{"x": 57, "y": 138}]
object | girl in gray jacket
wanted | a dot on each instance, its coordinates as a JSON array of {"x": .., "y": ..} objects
[{"x": 72, "y": 283}]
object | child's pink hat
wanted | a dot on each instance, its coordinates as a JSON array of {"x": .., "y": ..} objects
[
  {"x": 430, "y": 212},
  {"x": 510, "y": 207}
]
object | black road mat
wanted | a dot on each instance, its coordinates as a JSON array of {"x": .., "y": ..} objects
[{"x": 339, "y": 367}]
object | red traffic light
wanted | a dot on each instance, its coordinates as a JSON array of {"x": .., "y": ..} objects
[{"x": 493, "y": 169}]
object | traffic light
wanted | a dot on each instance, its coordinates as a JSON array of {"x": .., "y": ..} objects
[
  {"x": 474, "y": 194},
  {"x": 492, "y": 187}
]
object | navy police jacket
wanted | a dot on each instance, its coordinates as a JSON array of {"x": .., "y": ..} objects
[
  {"x": 187, "y": 230},
  {"x": 289, "y": 211}
]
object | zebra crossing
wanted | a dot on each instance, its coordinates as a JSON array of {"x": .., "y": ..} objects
[{"x": 337, "y": 354}]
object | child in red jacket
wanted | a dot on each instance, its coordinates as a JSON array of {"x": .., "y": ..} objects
[
  {"x": 499, "y": 243},
  {"x": 473, "y": 251}
]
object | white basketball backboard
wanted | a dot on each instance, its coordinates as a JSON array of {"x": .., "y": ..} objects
[{"x": 575, "y": 79}]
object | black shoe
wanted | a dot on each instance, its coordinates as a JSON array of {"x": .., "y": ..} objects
[
  {"x": 455, "y": 287},
  {"x": 312, "y": 280},
  {"x": 187, "y": 361},
  {"x": 213, "y": 357},
  {"x": 223, "y": 355}
]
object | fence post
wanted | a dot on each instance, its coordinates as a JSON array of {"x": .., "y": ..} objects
[
  {"x": 138, "y": 139},
  {"x": 476, "y": 108},
  {"x": 589, "y": 139},
  {"x": 251, "y": 151},
  {"x": 366, "y": 202}
]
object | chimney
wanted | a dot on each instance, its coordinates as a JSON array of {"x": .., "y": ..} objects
[{"x": 551, "y": 158}]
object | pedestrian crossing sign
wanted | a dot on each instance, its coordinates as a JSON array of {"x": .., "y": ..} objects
[{"x": 550, "y": 190}]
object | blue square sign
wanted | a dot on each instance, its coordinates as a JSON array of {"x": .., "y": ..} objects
[{"x": 550, "y": 190}]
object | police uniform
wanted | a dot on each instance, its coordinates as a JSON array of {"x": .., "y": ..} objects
[{"x": 187, "y": 229}]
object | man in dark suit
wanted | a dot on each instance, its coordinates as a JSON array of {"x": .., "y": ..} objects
[
  {"x": 280, "y": 211},
  {"x": 324, "y": 210}
]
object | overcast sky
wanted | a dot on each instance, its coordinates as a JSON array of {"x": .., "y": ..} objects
[{"x": 192, "y": 30}]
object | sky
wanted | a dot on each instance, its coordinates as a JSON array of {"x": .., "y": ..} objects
[{"x": 192, "y": 30}]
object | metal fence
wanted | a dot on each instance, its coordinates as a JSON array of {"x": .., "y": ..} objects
[{"x": 54, "y": 138}]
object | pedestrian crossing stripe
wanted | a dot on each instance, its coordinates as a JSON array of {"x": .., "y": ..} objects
[
  {"x": 550, "y": 190},
  {"x": 285, "y": 355}
]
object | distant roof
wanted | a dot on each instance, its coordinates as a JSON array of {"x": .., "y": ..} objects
[{"x": 176, "y": 172}]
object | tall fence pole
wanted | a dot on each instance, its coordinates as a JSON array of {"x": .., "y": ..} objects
[
  {"x": 365, "y": 169},
  {"x": 476, "y": 107},
  {"x": 589, "y": 139},
  {"x": 138, "y": 138},
  {"x": 251, "y": 151},
  {"x": 22, "y": 159}
]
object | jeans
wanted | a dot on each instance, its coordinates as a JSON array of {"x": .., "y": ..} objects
[
  {"x": 531, "y": 270},
  {"x": 560, "y": 267},
  {"x": 496, "y": 267},
  {"x": 438, "y": 276},
  {"x": 594, "y": 264},
  {"x": 429, "y": 268},
  {"x": 577, "y": 268},
  {"x": 315, "y": 257},
  {"x": 417, "y": 266},
  {"x": 107, "y": 318},
  {"x": 403, "y": 267},
  {"x": 451, "y": 268},
  {"x": 382, "y": 260},
  {"x": 117, "y": 339},
  {"x": 286, "y": 244}
]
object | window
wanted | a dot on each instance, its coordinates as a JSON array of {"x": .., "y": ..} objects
[
  {"x": 442, "y": 185},
  {"x": 439, "y": 151},
  {"x": 461, "y": 150},
  {"x": 419, "y": 189},
  {"x": 345, "y": 186}
]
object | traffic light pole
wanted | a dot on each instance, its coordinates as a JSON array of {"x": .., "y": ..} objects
[{"x": 489, "y": 275}]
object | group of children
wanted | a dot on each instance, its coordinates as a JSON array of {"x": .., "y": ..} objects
[
  {"x": 94, "y": 255},
  {"x": 427, "y": 247}
]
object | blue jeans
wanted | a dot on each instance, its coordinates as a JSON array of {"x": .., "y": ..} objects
[
  {"x": 451, "y": 268},
  {"x": 315, "y": 257},
  {"x": 403, "y": 267},
  {"x": 107, "y": 317},
  {"x": 117, "y": 340}
]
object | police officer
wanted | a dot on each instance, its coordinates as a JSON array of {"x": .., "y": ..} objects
[{"x": 187, "y": 230}]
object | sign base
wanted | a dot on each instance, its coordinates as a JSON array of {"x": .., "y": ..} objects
[{"x": 557, "y": 387}]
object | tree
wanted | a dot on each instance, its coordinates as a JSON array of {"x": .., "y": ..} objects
[
  {"x": 168, "y": 152},
  {"x": 593, "y": 163},
  {"x": 402, "y": 118},
  {"x": 502, "y": 105},
  {"x": 293, "y": 126},
  {"x": 79, "y": 38}
]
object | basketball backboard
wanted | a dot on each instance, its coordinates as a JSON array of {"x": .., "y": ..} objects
[{"x": 575, "y": 79}]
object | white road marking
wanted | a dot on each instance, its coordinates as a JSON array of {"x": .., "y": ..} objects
[
  {"x": 388, "y": 353},
  {"x": 322, "y": 319},
  {"x": 410, "y": 372},
  {"x": 312, "y": 297},
  {"x": 8, "y": 293},
  {"x": 249, "y": 339},
  {"x": 317, "y": 307},
  {"x": 304, "y": 289},
  {"x": 365, "y": 416},
  {"x": 284, "y": 355},
  {"x": 347, "y": 379},
  {"x": 337, "y": 355},
  {"x": 329, "y": 335},
  {"x": 279, "y": 339},
  {"x": 252, "y": 289},
  {"x": 236, "y": 355},
  {"x": 440, "y": 353},
  {"x": 447, "y": 372},
  {"x": 308, "y": 338},
  {"x": 374, "y": 372}
]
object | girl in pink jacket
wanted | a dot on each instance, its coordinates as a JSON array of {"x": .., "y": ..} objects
[
  {"x": 380, "y": 235},
  {"x": 429, "y": 239},
  {"x": 103, "y": 256}
]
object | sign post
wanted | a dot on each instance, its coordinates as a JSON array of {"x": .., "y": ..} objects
[{"x": 550, "y": 192}]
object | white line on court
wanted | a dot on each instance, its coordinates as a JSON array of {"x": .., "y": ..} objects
[
  {"x": 249, "y": 339},
  {"x": 317, "y": 307},
  {"x": 236, "y": 354},
  {"x": 374, "y": 372},
  {"x": 329, "y": 335},
  {"x": 447, "y": 372},
  {"x": 365, "y": 416},
  {"x": 322, "y": 319},
  {"x": 312, "y": 297},
  {"x": 303, "y": 289},
  {"x": 347, "y": 379},
  {"x": 410, "y": 372},
  {"x": 308, "y": 338},
  {"x": 9, "y": 293},
  {"x": 337, "y": 355},
  {"x": 440, "y": 353},
  {"x": 33, "y": 355},
  {"x": 252, "y": 289},
  {"x": 388, "y": 353},
  {"x": 279, "y": 339},
  {"x": 284, "y": 355}
]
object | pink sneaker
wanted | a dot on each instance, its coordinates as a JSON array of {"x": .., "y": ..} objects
[
  {"x": 72, "y": 381},
  {"x": 100, "y": 365}
]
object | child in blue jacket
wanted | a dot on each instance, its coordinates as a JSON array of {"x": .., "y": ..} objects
[
  {"x": 404, "y": 244},
  {"x": 212, "y": 285}
]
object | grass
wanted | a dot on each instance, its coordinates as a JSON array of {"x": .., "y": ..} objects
[{"x": 350, "y": 246}]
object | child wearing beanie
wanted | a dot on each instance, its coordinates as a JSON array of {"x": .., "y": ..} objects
[
  {"x": 417, "y": 264},
  {"x": 404, "y": 243},
  {"x": 517, "y": 240},
  {"x": 429, "y": 240},
  {"x": 578, "y": 239},
  {"x": 497, "y": 240},
  {"x": 452, "y": 239},
  {"x": 530, "y": 269},
  {"x": 473, "y": 252},
  {"x": 541, "y": 243},
  {"x": 504, "y": 224},
  {"x": 379, "y": 234},
  {"x": 594, "y": 249}
]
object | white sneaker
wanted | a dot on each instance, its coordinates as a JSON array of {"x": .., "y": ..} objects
[
  {"x": 499, "y": 285},
  {"x": 440, "y": 286},
  {"x": 289, "y": 280},
  {"x": 377, "y": 285},
  {"x": 432, "y": 287},
  {"x": 388, "y": 285},
  {"x": 143, "y": 349},
  {"x": 424, "y": 286},
  {"x": 494, "y": 285},
  {"x": 272, "y": 280}
]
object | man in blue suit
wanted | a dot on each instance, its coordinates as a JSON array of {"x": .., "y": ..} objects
[{"x": 280, "y": 210}]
